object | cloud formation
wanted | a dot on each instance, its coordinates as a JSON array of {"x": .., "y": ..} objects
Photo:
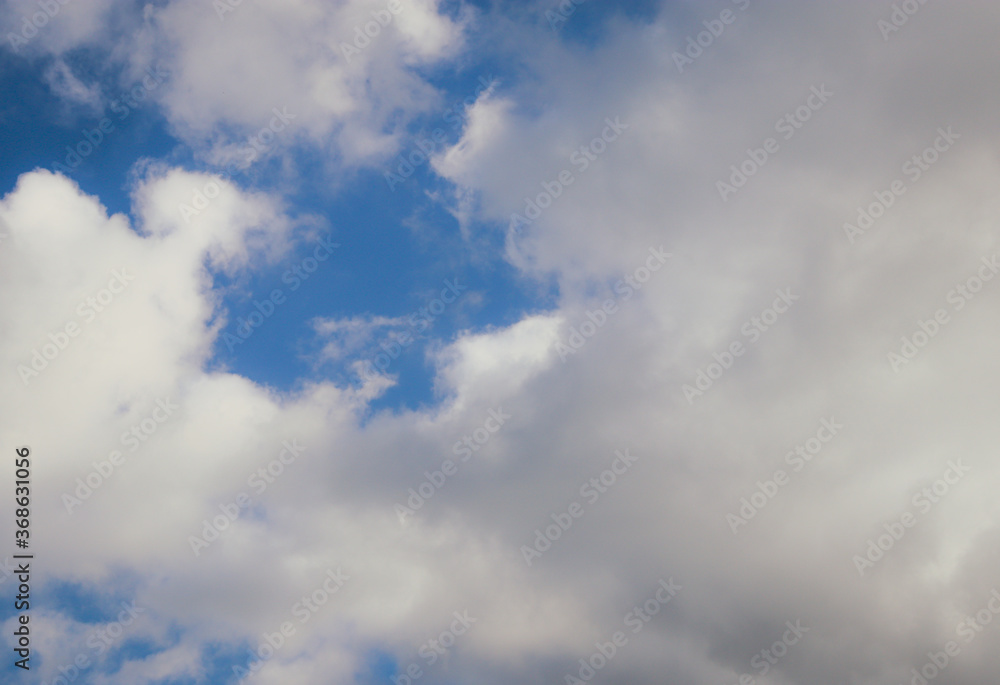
[{"x": 835, "y": 314}]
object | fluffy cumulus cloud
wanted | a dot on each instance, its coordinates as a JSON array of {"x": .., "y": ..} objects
[
  {"x": 751, "y": 441},
  {"x": 342, "y": 72}
]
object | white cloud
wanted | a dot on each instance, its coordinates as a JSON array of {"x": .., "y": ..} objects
[
  {"x": 229, "y": 71},
  {"x": 60, "y": 78},
  {"x": 353, "y": 334},
  {"x": 652, "y": 186}
]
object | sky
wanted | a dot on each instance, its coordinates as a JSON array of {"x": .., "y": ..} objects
[{"x": 444, "y": 342}]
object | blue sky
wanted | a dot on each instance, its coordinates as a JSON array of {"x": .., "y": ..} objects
[
  {"x": 337, "y": 318},
  {"x": 396, "y": 245}
]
